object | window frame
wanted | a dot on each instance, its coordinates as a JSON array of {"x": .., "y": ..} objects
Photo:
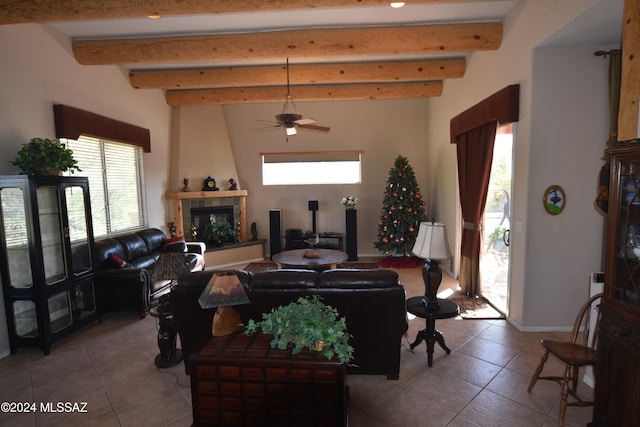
[{"x": 322, "y": 164}]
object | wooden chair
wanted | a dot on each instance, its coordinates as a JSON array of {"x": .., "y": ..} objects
[{"x": 579, "y": 351}]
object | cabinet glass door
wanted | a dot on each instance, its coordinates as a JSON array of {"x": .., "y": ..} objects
[
  {"x": 84, "y": 301},
  {"x": 24, "y": 316},
  {"x": 76, "y": 214},
  {"x": 51, "y": 234},
  {"x": 627, "y": 269},
  {"x": 59, "y": 311},
  {"x": 16, "y": 244}
]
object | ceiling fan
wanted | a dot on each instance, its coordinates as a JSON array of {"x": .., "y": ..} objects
[{"x": 290, "y": 119}]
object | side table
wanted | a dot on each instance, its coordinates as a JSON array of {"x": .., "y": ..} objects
[
  {"x": 447, "y": 310},
  {"x": 167, "y": 335}
]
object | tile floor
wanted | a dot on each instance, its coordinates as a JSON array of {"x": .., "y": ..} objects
[{"x": 483, "y": 382}]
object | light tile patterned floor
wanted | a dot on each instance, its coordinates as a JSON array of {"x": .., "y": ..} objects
[{"x": 483, "y": 382}]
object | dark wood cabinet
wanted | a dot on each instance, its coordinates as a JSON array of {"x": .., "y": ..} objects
[
  {"x": 46, "y": 236},
  {"x": 617, "y": 393},
  {"x": 239, "y": 380}
]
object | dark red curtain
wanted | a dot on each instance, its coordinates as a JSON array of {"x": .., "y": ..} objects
[
  {"x": 475, "y": 155},
  {"x": 474, "y": 132}
]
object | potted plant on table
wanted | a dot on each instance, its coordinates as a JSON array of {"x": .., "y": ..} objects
[
  {"x": 306, "y": 323},
  {"x": 44, "y": 156}
]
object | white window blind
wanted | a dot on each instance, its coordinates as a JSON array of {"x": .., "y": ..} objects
[{"x": 116, "y": 183}]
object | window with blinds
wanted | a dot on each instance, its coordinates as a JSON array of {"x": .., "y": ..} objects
[
  {"x": 328, "y": 167},
  {"x": 116, "y": 183}
]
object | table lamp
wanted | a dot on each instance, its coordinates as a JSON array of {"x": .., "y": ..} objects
[
  {"x": 223, "y": 291},
  {"x": 431, "y": 244}
]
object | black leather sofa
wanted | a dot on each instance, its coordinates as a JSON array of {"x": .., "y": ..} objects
[
  {"x": 372, "y": 301},
  {"x": 123, "y": 270}
]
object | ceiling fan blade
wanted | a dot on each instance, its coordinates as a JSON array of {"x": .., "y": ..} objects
[
  {"x": 271, "y": 127},
  {"x": 305, "y": 122},
  {"x": 315, "y": 127}
]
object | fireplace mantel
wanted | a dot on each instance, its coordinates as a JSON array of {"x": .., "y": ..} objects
[{"x": 177, "y": 198}]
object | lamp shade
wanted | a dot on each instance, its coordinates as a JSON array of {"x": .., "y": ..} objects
[
  {"x": 224, "y": 289},
  {"x": 431, "y": 242},
  {"x": 170, "y": 266}
]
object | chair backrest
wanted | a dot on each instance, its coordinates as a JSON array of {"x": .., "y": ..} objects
[{"x": 582, "y": 328}]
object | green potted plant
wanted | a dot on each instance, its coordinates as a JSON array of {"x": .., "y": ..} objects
[
  {"x": 218, "y": 232},
  {"x": 44, "y": 156},
  {"x": 306, "y": 323}
]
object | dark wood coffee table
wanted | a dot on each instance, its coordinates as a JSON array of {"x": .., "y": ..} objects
[{"x": 326, "y": 258}]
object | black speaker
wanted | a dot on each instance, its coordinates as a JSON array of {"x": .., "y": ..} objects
[
  {"x": 275, "y": 231},
  {"x": 352, "y": 234},
  {"x": 313, "y": 205}
]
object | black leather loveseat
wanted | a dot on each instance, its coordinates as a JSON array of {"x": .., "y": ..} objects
[
  {"x": 372, "y": 301},
  {"x": 124, "y": 264}
]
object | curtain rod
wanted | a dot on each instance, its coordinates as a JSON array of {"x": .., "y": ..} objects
[{"x": 604, "y": 53}]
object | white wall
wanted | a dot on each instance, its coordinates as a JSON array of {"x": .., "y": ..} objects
[
  {"x": 38, "y": 70},
  {"x": 382, "y": 129},
  {"x": 559, "y": 139},
  {"x": 204, "y": 148}
]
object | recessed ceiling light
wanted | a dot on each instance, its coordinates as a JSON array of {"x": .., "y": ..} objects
[
  {"x": 397, "y": 4},
  {"x": 154, "y": 16}
]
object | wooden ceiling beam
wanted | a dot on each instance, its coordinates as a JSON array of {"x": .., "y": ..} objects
[
  {"x": 272, "y": 75},
  {"x": 303, "y": 93},
  {"x": 302, "y": 43},
  {"x": 24, "y": 11}
]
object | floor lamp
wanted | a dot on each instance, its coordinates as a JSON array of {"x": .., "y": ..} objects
[{"x": 431, "y": 245}]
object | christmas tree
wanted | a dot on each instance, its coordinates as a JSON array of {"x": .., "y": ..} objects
[{"x": 402, "y": 210}]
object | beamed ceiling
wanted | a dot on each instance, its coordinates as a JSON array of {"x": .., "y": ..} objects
[{"x": 235, "y": 51}]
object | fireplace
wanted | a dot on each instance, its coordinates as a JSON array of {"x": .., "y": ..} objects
[{"x": 202, "y": 216}]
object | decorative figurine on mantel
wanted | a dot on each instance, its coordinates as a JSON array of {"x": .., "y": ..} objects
[
  {"x": 233, "y": 186},
  {"x": 194, "y": 232},
  {"x": 186, "y": 185},
  {"x": 209, "y": 184},
  {"x": 172, "y": 229},
  {"x": 254, "y": 232}
]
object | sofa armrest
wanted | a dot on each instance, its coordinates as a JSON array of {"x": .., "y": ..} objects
[
  {"x": 126, "y": 274},
  {"x": 197, "y": 247},
  {"x": 123, "y": 289}
]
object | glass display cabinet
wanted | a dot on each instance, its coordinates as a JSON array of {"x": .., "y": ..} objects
[
  {"x": 47, "y": 275},
  {"x": 618, "y": 368}
]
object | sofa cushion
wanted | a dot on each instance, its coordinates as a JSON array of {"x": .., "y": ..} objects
[
  {"x": 287, "y": 279},
  {"x": 133, "y": 245},
  {"x": 104, "y": 248},
  {"x": 144, "y": 261},
  {"x": 153, "y": 238},
  {"x": 358, "y": 279}
]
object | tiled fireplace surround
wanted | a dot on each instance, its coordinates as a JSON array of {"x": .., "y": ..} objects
[{"x": 184, "y": 201}]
